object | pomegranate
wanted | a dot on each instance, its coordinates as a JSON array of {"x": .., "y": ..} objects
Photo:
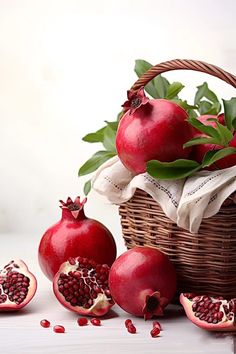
[
  {"x": 131, "y": 328},
  {"x": 95, "y": 321},
  {"x": 155, "y": 332},
  {"x": 142, "y": 281},
  {"x": 75, "y": 235},
  {"x": 199, "y": 151},
  {"x": 82, "y": 321},
  {"x": 45, "y": 323},
  {"x": 210, "y": 312},
  {"x": 81, "y": 285},
  {"x": 17, "y": 286},
  {"x": 153, "y": 129}
]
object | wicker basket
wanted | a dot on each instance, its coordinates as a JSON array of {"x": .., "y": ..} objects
[{"x": 205, "y": 262}]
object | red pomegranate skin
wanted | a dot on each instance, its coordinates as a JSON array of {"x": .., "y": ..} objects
[
  {"x": 199, "y": 151},
  {"x": 73, "y": 237},
  {"x": 156, "y": 130},
  {"x": 139, "y": 273}
]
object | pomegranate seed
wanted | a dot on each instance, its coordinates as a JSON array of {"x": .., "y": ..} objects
[
  {"x": 157, "y": 324},
  {"x": 95, "y": 322},
  {"x": 45, "y": 323},
  {"x": 127, "y": 322},
  {"x": 131, "y": 328},
  {"x": 82, "y": 321},
  {"x": 155, "y": 332},
  {"x": 59, "y": 329}
]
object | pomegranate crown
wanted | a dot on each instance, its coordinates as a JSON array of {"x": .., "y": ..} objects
[
  {"x": 74, "y": 207},
  {"x": 135, "y": 100}
]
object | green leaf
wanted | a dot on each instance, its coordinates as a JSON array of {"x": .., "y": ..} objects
[
  {"x": 172, "y": 170},
  {"x": 204, "y": 91},
  {"x": 212, "y": 132},
  {"x": 96, "y": 137},
  {"x": 95, "y": 161},
  {"x": 173, "y": 90},
  {"x": 109, "y": 139},
  {"x": 157, "y": 88},
  {"x": 206, "y": 107},
  {"x": 200, "y": 140},
  {"x": 161, "y": 84},
  {"x": 215, "y": 155},
  {"x": 112, "y": 125},
  {"x": 141, "y": 66},
  {"x": 230, "y": 112},
  {"x": 225, "y": 134},
  {"x": 87, "y": 187}
]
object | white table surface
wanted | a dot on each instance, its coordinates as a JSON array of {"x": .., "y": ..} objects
[{"x": 21, "y": 332}]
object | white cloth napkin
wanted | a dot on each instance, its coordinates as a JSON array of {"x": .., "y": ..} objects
[{"x": 185, "y": 201}]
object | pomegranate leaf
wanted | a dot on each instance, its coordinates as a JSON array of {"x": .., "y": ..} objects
[
  {"x": 212, "y": 106},
  {"x": 200, "y": 140},
  {"x": 230, "y": 112},
  {"x": 109, "y": 139},
  {"x": 214, "y": 155},
  {"x": 95, "y": 161},
  {"x": 157, "y": 88},
  {"x": 173, "y": 90},
  {"x": 212, "y": 132},
  {"x": 96, "y": 137},
  {"x": 172, "y": 170},
  {"x": 225, "y": 134},
  {"x": 87, "y": 187}
]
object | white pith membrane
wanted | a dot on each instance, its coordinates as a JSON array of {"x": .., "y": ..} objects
[
  {"x": 84, "y": 284},
  {"x": 15, "y": 285},
  {"x": 212, "y": 310}
]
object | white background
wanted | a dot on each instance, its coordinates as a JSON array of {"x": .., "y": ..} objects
[{"x": 65, "y": 67}]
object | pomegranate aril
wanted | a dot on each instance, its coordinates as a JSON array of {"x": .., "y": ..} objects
[
  {"x": 155, "y": 332},
  {"x": 96, "y": 321},
  {"x": 82, "y": 321},
  {"x": 59, "y": 329},
  {"x": 156, "y": 324},
  {"x": 45, "y": 323},
  {"x": 131, "y": 328},
  {"x": 128, "y": 322}
]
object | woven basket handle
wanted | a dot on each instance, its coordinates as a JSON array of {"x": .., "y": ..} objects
[{"x": 184, "y": 64}]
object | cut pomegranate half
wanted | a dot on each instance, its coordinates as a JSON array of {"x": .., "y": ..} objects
[
  {"x": 17, "y": 286},
  {"x": 81, "y": 285},
  {"x": 210, "y": 312}
]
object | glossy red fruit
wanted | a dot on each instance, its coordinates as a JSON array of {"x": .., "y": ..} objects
[
  {"x": 155, "y": 332},
  {"x": 157, "y": 324},
  {"x": 199, "y": 151},
  {"x": 95, "y": 321},
  {"x": 154, "y": 129},
  {"x": 59, "y": 329},
  {"x": 81, "y": 285},
  {"x": 210, "y": 312},
  {"x": 131, "y": 328},
  {"x": 82, "y": 321},
  {"x": 45, "y": 323},
  {"x": 17, "y": 286},
  {"x": 142, "y": 281},
  {"x": 75, "y": 235}
]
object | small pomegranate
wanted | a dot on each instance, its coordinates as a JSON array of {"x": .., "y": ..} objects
[
  {"x": 210, "y": 312},
  {"x": 199, "y": 151},
  {"x": 81, "y": 285},
  {"x": 45, "y": 323},
  {"x": 17, "y": 286},
  {"x": 75, "y": 235},
  {"x": 153, "y": 129},
  {"x": 59, "y": 329},
  {"x": 142, "y": 281}
]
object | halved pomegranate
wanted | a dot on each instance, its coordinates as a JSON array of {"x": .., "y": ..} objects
[
  {"x": 17, "y": 286},
  {"x": 210, "y": 312},
  {"x": 81, "y": 285}
]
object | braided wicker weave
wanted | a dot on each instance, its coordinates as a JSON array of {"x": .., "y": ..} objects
[{"x": 205, "y": 262}]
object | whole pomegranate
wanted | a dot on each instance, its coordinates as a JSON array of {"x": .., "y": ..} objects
[
  {"x": 142, "y": 281},
  {"x": 81, "y": 285},
  {"x": 17, "y": 286},
  {"x": 199, "y": 151},
  {"x": 213, "y": 313},
  {"x": 153, "y": 129},
  {"x": 75, "y": 235}
]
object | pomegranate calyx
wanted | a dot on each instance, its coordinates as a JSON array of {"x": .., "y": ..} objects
[
  {"x": 135, "y": 100},
  {"x": 74, "y": 207},
  {"x": 154, "y": 305}
]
